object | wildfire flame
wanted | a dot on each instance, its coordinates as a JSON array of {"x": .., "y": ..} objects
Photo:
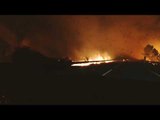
[
  {"x": 99, "y": 57},
  {"x": 94, "y": 59}
]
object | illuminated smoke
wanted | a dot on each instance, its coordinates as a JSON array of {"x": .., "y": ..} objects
[{"x": 83, "y": 36}]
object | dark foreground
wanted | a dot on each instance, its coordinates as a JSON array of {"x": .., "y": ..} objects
[{"x": 104, "y": 84}]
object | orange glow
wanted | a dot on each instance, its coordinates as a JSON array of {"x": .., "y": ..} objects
[
  {"x": 25, "y": 43},
  {"x": 91, "y": 63},
  {"x": 99, "y": 57},
  {"x": 94, "y": 59},
  {"x": 92, "y": 56},
  {"x": 155, "y": 43}
]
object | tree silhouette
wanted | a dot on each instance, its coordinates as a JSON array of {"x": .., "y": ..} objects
[{"x": 151, "y": 53}]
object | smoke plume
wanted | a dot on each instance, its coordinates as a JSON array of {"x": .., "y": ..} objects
[{"x": 78, "y": 36}]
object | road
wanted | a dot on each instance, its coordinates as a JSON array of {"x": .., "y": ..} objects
[{"x": 133, "y": 71}]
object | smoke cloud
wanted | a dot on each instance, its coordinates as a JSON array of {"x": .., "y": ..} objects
[{"x": 78, "y": 36}]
